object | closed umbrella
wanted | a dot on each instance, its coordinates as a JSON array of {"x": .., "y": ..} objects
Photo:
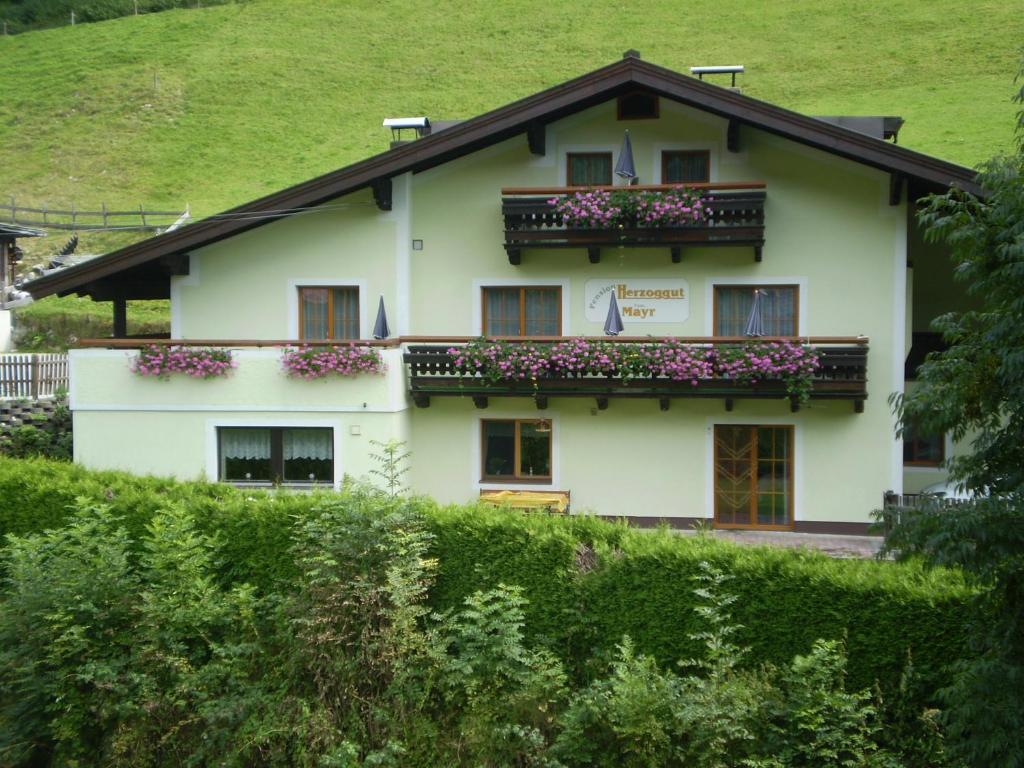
[
  {"x": 755, "y": 323},
  {"x": 613, "y": 323},
  {"x": 625, "y": 167},
  {"x": 380, "y": 328}
]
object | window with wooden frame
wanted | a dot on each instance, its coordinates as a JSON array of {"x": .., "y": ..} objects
[
  {"x": 753, "y": 476},
  {"x": 682, "y": 166},
  {"x": 921, "y": 449},
  {"x": 329, "y": 312},
  {"x": 275, "y": 455},
  {"x": 588, "y": 169},
  {"x": 637, "y": 105},
  {"x": 515, "y": 450},
  {"x": 778, "y": 306},
  {"x": 534, "y": 310}
]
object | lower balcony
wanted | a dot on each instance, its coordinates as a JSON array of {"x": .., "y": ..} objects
[{"x": 840, "y": 373}]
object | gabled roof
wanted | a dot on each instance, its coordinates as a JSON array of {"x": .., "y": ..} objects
[{"x": 528, "y": 114}]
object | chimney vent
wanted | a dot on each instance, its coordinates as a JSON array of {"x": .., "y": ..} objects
[
  {"x": 420, "y": 125},
  {"x": 731, "y": 69}
]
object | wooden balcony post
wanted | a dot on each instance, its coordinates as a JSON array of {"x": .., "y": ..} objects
[{"x": 120, "y": 318}]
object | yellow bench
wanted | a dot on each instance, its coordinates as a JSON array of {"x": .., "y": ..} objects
[{"x": 552, "y": 501}]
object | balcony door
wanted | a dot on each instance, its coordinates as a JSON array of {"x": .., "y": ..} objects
[{"x": 753, "y": 476}]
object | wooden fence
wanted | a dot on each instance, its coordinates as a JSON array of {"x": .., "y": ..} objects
[
  {"x": 75, "y": 220},
  {"x": 32, "y": 375}
]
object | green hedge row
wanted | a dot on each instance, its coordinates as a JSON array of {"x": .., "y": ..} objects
[{"x": 589, "y": 582}]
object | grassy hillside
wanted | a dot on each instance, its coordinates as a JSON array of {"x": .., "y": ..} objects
[{"x": 216, "y": 106}]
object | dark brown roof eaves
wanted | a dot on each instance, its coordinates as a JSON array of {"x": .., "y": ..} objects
[{"x": 502, "y": 123}]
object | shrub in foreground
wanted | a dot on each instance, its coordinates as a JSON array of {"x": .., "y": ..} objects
[{"x": 126, "y": 651}]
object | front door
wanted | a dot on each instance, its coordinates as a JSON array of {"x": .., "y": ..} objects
[{"x": 753, "y": 476}]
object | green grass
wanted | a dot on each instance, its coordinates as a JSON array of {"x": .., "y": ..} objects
[{"x": 217, "y": 106}]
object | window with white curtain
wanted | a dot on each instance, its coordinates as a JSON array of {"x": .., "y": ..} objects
[{"x": 293, "y": 455}]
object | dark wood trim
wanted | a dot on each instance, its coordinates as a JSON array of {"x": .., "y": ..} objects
[
  {"x": 732, "y": 136},
  {"x": 895, "y": 188},
  {"x": 382, "y": 194},
  {"x": 120, "y": 317},
  {"x": 666, "y": 156},
  {"x": 174, "y": 264},
  {"x": 536, "y": 138},
  {"x": 620, "y": 115},
  {"x": 724, "y": 186},
  {"x": 511, "y": 120},
  {"x": 752, "y": 286}
]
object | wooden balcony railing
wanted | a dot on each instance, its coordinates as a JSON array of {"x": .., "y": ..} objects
[
  {"x": 842, "y": 375},
  {"x": 735, "y": 218}
]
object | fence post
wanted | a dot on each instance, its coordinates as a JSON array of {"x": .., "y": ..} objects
[
  {"x": 35, "y": 377},
  {"x": 142, "y": 214},
  {"x": 13, "y": 210}
]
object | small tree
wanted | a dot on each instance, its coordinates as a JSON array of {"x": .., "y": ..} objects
[{"x": 392, "y": 464}]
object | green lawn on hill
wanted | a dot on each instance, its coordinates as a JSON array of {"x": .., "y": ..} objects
[{"x": 216, "y": 106}]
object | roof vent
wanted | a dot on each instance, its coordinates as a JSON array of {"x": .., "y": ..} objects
[
  {"x": 883, "y": 127},
  {"x": 421, "y": 126},
  {"x": 632, "y": 53},
  {"x": 732, "y": 69}
]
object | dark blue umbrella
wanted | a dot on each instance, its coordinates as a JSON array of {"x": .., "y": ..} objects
[
  {"x": 613, "y": 323},
  {"x": 755, "y": 323},
  {"x": 380, "y": 328},
  {"x": 625, "y": 167}
]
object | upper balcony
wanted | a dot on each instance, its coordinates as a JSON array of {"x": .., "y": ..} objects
[{"x": 734, "y": 217}]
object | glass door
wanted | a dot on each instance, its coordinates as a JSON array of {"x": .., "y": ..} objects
[{"x": 753, "y": 476}]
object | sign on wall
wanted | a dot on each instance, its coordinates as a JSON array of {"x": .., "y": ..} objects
[{"x": 640, "y": 300}]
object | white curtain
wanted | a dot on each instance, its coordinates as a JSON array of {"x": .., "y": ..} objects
[
  {"x": 248, "y": 443},
  {"x": 308, "y": 444}
]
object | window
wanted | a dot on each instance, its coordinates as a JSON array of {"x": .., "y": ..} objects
[
  {"x": 589, "y": 169},
  {"x": 638, "y": 105},
  {"x": 778, "y": 306},
  {"x": 329, "y": 313},
  {"x": 275, "y": 454},
  {"x": 688, "y": 166},
  {"x": 753, "y": 476},
  {"x": 923, "y": 450},
  {"x": 516, "y": 450},
  {"x": 525, "y": 311}
]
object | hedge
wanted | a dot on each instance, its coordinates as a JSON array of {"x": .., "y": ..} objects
[{"x": 589, "y": 582}]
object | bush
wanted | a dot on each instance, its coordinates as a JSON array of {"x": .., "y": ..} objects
[
  {"x": 135, "y": 640},
  {"x": 50, "y": 437},
  {"x": 588, "y": 582}
]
